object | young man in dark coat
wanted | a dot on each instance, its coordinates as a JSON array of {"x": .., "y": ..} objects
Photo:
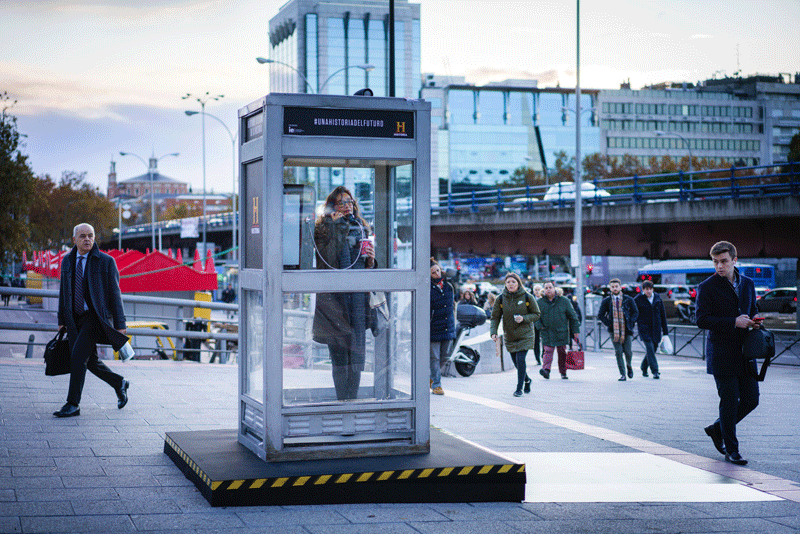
[
  {"x": 90, "y": 308},
  {"x": 726, "y": 305},
  {"x": 652, "y": 322},
  {"x": 619, "y": 314}
]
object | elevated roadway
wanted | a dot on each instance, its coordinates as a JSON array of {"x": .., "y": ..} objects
[{"x": 760, "y": 226}]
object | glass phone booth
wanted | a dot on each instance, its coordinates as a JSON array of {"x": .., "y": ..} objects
[{"x": 334, "y": 308}]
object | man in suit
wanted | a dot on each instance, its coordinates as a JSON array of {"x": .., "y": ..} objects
[
  {"x": 90, "y": 308},
  {"x": 726, "y": 305},
  {"x": 652, "y": 322},
  {"x": 619, "y": 314}
]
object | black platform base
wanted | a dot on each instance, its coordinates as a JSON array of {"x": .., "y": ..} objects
[{"x": 228, "y": 474}]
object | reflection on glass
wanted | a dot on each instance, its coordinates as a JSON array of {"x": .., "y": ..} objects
[
  {"x": 254, "y": 332},
  {"x": 316, "y": 337},
  {"x": 382, "y": 193}
]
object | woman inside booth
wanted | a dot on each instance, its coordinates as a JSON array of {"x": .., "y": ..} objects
[{"x": 341, "y": 319}]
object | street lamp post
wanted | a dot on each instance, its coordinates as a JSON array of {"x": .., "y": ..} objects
[
  {"x": 365, "y": 67},
  {"x": 233, "y": 196},
  {"x": 150, "y": 169},
  {"x": 578, "y": 230},
  {"x": 661, "y": 133},
  {"x": 202, "y": 100}
]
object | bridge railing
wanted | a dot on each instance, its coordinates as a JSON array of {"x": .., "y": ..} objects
[
  {"x": 218, "y": 340},
  {"x": 734, "y": 182}
]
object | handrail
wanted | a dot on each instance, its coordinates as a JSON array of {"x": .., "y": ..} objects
[{"x": 139, "y": 299}]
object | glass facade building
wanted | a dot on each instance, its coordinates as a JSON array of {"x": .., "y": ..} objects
[
  {"x": 321, "y": 46},
  {"x": 329, "y": 41},
  {"x": 481, "y": 135}
]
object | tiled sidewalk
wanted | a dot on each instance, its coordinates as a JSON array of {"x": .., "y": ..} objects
[{"x": 105, "y": 471}]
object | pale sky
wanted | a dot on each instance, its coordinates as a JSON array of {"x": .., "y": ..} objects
[{"x": 97, "y": 77}]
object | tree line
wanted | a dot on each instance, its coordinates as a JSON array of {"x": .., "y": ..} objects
[{"x": 39, "y": 212}]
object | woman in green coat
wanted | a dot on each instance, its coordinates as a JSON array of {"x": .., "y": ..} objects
[
  {"x": 518, "y": 310},
  {"x": 557, "y": 319}
]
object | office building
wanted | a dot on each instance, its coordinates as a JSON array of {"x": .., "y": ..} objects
[
  {"x": 481, "y": 134},
  {"x": 331, "y": 42},
  {"x": 735, "y": 121},
  {"x": 779, "y": 100}
]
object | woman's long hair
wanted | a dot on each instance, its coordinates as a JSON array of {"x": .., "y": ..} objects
[{"x": 330, "y": 206}]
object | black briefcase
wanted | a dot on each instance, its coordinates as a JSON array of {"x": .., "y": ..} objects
[
  {"x": 760, "y": 345},
  {"x": 56, "y": 355}
]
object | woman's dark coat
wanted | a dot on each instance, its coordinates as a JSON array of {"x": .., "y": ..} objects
[
  {"x": 517, "y": 336},
  {"x": 340, "y": 319}
]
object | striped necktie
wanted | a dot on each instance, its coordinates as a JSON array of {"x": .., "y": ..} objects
[{"x": 77, "y": 306}]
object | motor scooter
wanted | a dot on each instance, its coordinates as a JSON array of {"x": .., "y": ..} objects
[{"x": 463, "y": 357}]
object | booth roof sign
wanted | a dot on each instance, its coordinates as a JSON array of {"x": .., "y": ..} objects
[{"x": 348, "y": 122}]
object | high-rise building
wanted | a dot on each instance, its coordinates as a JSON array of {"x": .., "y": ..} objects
[{"x": 340, "y": 47}]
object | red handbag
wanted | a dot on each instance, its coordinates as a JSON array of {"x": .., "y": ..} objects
[{"x": 575, "y": 358}]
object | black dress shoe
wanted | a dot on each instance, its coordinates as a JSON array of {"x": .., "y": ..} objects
[
  {"x": 68, "y": 410},
  {"x": 545, "y": 373},
  {"x": 735, "y": 458},
  {"x": 656, "y": 376},
  {"x": 630, "y": 372},
  {"x": 122, "y": 394},
  {"x": 564, "y": 377},
  {"x": 715, "y": 434},
  {"x": 644, "y": 374},
  {"x": 527, "y": 387}
]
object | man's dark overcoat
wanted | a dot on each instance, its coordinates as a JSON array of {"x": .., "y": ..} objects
[{"x": 101, "y": 288}]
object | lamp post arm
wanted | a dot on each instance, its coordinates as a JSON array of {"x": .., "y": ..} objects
[
  {"x": 365, "y": 68},
  {"x": 303, "y": 76}
]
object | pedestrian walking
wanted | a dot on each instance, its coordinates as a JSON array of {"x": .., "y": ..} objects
[
  {"x": 5, "y": 283},
  {"x": 651, "y": 323},
  {"x": 555, "y": 323},
  {"x": 443, "y": 324},
  {"x": 726, "y": 307},
  {"x": 537, "y": 339},
  {"x": 90, "y": 308},
  {"x": 518, "y": 311},
  {"x": 618, "y": 312}
]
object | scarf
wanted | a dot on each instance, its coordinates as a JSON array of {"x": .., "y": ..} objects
[{"x": 619, "y": 319}]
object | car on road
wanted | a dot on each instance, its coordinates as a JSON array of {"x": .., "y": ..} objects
[
  {"x": 780, "y": 299},
  {"x": 562, "y": 278},
  {"x": 566, "y": 191},
  {"x": 673, "y": 294}
]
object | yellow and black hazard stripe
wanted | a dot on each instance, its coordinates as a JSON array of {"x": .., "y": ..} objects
[
  {"x": 480, "y": 472},
  {"x": 176, "y": 452},
  {"x": 423, "y": 484}
]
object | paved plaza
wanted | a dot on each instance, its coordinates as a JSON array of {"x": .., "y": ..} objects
[{"x": 601, "y": 455}]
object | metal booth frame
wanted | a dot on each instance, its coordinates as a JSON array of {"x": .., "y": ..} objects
[{"x": 381, "y": 423}]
